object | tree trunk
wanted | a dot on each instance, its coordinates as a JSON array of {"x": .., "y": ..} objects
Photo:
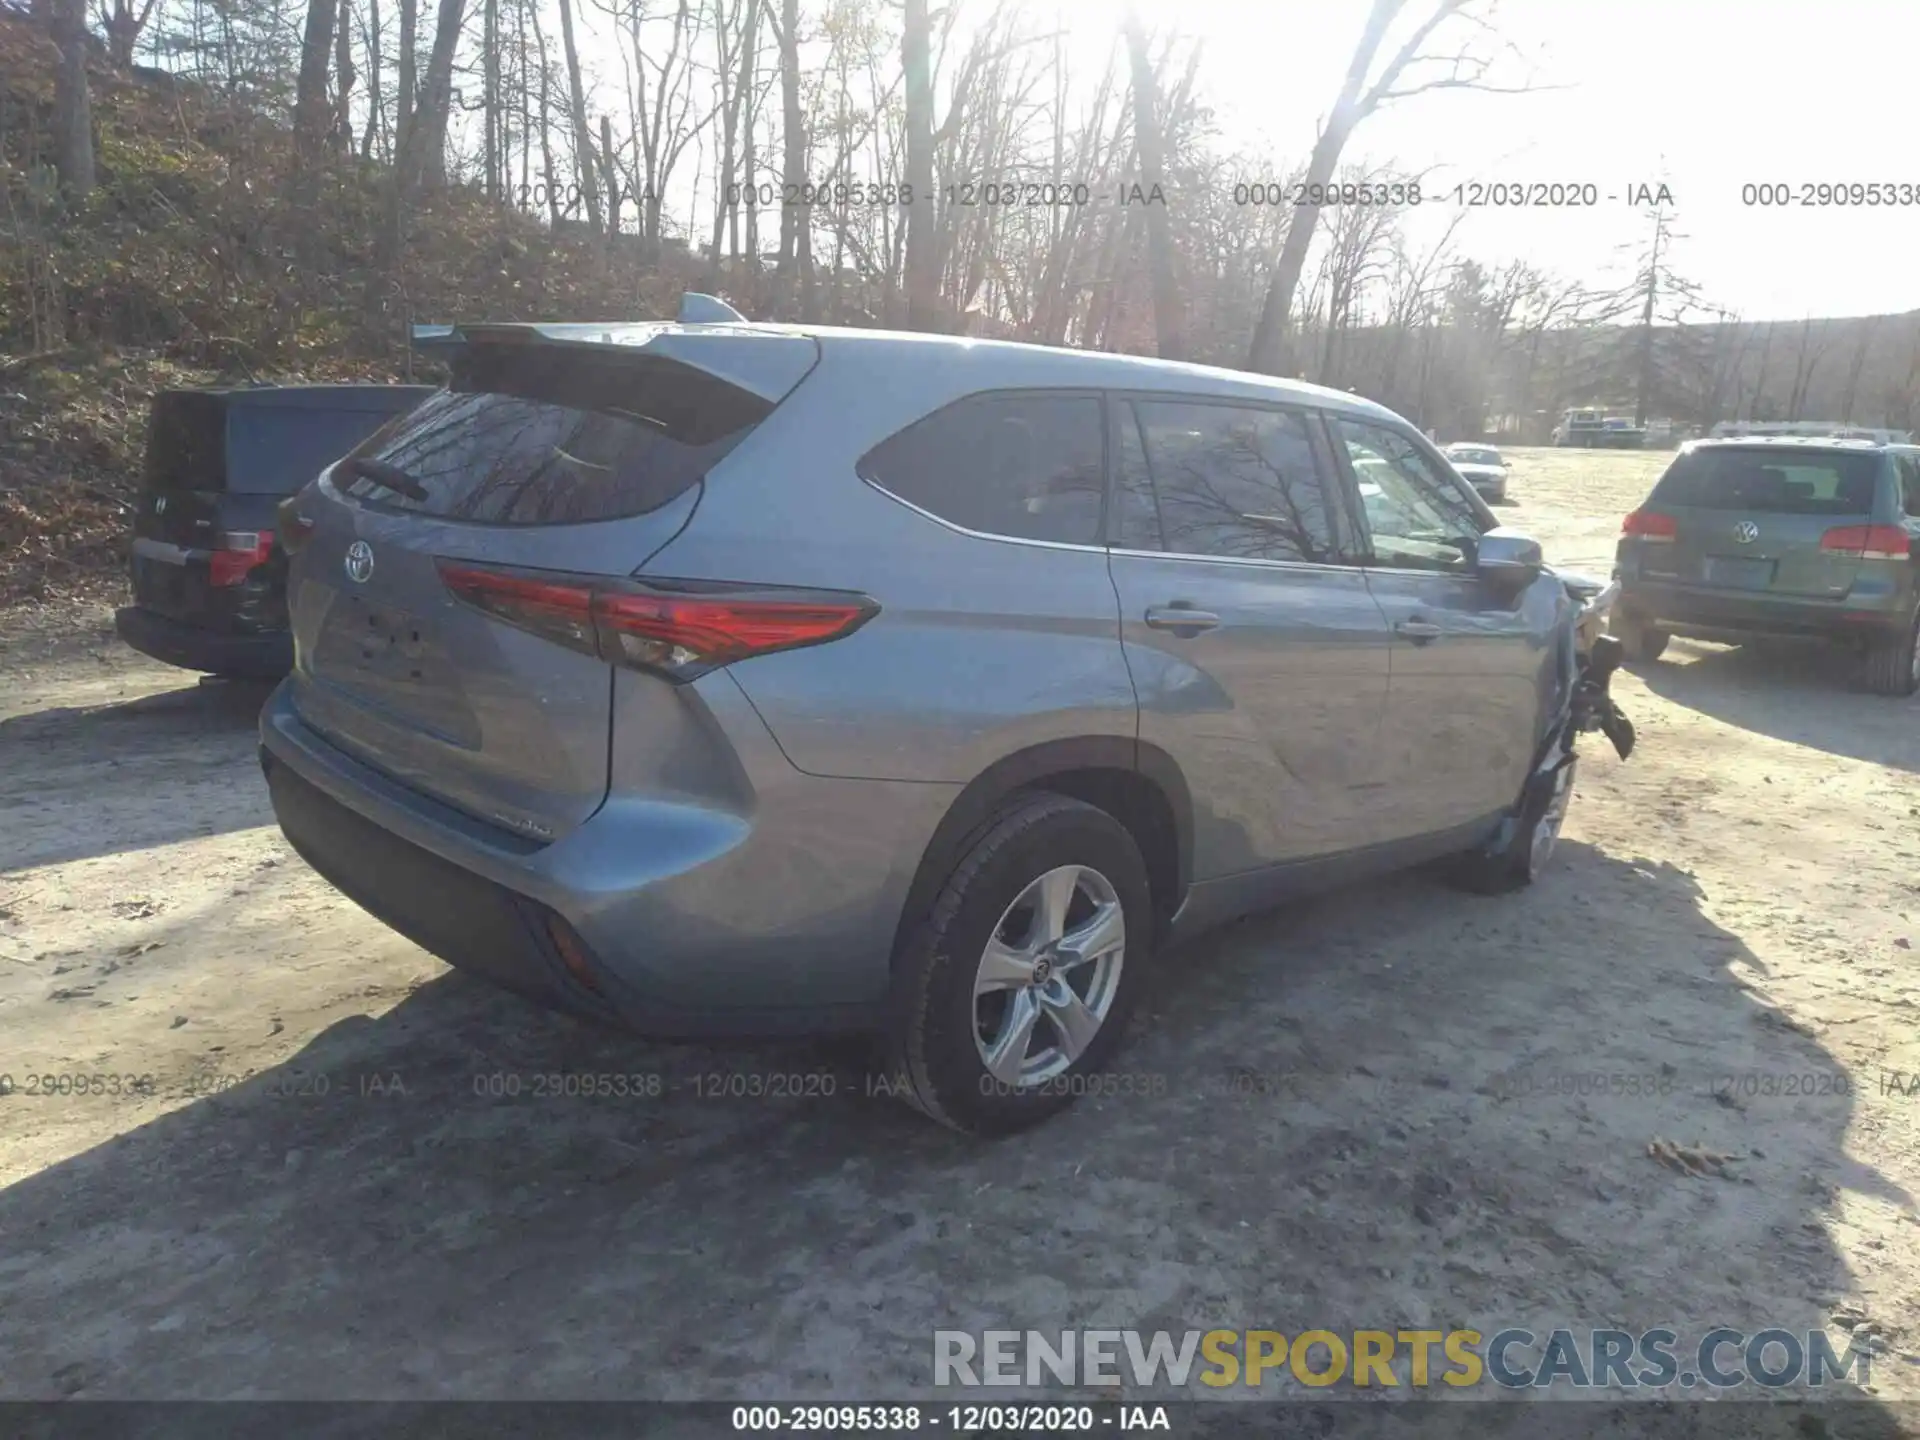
[
  {"x": 123, "y": 29},
  {"x": 407, "y": 76},
  {"x": 312, "y": 116},
  {"x": 490, "y": 99},
  {"x": 1167, "y": 318},
  {"x": 793, "y": 165},
  {"x": 1269, "y": 353},
  {"x": 546, "y": 122},
  {"x": 429, "y": 132},
  {"x": 584, "y": 167},
  {"x": 373, "y": 81},
  {"x": 344, "y": 76},
  {"x": 922, "y": 272},
  {"x": 1643, "y": 384},
  {"x": 72, "y": 102},
  {"x": 610, "y": 173}
]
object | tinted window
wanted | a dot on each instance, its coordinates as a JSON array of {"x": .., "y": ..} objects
[
  {"x": 1417, "y": 516},
  {"x": 539, "y": 435},
  {"x": 275, "y": 449},
  {"x": 1235, "y": 482},
  {"x": 1137, "y": 525},
  {"x": 1471, "y": 456},
  {"x": 1910, "y": 477},
  {"x": 1030, "y": 466},
  {"x": 1775, "y": 480},
  {"x": 187, "y": 441}
]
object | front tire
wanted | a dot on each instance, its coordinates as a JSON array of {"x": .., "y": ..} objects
[
  {"x": 1893, "y": 663},
  {"x": 1520, "y": 855},
  {"x": 1017, "y": 986}
]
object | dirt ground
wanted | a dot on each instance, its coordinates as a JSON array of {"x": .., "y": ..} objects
[{"x": 300, "y": 1194}]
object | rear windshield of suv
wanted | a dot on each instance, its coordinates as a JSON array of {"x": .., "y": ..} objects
[
  {"x": 1772, "y": 481},
  {"x": 533, "y": 434}
]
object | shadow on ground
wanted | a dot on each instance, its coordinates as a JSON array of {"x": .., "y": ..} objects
[
  {"x": 146, "y": 764},
  {"x": 1387, "y": 1107},
  {"x": 1806, "y": 694}
]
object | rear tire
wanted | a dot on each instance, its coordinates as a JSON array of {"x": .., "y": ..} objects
[
  {"x": 1521, "y": 855},
  {"x": 1642, "y": 642},
  {"x": 1893, "y": 663},
  {"x": 1045, "y": 870}
]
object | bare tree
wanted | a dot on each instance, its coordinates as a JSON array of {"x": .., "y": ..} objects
[
  {"x": 1151, "y": 145},
  {"x": 312, "y": 114},
  {"x": 1410, "y": 71},
  {"x": 124, "y": 25},
  {"x": 923, "y": 274},
  {"x": 72, "y": 101},
  {"x": 584, "y": 169}
]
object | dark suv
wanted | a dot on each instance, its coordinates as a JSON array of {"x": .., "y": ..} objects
[
  {"x": 1785, "y": 536},
  {"x": 209, "y": 588}
]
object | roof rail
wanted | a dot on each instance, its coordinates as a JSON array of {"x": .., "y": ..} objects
[{"x": 698, "y": 309}]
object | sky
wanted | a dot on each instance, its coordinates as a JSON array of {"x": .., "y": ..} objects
[{"x": 1706, "y": 95}]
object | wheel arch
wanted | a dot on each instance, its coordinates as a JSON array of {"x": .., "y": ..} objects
[{"x": 1136, "y": 782}]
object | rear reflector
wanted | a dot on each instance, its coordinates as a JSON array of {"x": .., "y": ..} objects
[
  {"x": 1868, "y": 542},
  {"x": 1649, "y": 525},
  {"x": 240, "y": 551},
  {"x": 682, "y": 629}
]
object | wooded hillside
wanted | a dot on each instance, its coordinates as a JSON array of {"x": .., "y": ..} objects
[{"x": 201, "y": 189}]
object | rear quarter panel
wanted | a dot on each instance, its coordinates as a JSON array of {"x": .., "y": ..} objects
[{"x": 981, "y": 647}]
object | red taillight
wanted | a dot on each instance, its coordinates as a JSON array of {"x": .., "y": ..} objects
[
  {"x": 1868, "y": 542},
  {"x": 240, "y": 551},
  {"x": 658, "y": 625},
  {"x": 1649, "y": 525}
]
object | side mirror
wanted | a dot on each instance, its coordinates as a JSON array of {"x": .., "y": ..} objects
[{"x": 1508, "y": 558}]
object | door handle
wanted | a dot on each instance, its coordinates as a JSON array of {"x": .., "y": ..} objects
[
  {"x": 1418, "y": 631},
  {"x": 1183, "y": 620}
]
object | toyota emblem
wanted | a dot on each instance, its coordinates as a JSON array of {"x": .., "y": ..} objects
[
  {"x": 359, "y": 562},
  {"x": 1746, "y": 532}
]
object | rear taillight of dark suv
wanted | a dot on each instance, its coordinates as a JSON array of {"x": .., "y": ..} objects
[{"x": 681, "y": 629}]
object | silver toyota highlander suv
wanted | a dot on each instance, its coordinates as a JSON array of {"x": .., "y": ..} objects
[{"x": 715, "y": 678}]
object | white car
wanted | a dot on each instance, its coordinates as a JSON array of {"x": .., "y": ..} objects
[{"x": 1482, "y": 467}]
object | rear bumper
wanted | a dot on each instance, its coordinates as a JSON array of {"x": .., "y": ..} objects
[
  {"x": 690, "y": 923},
  {"x": 1687, "y": 610},
  {"x": 266, "y": 655}
]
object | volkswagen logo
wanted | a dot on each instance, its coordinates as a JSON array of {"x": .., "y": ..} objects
[
  {"x": 1746, "y": 532},
  {"x": 359, "y": 562}
]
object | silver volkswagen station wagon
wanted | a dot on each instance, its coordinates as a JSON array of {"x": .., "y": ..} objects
[{"x": 723, "y": 679}]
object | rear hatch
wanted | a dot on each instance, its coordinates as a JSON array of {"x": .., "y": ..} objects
[
  {"x": 217, "y": 463},
  {"x": 559, "y": 457},
  {"x": 1753, "y": 519}
]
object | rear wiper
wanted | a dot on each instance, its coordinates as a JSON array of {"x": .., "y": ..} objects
[{"x": 387, "y": 477}]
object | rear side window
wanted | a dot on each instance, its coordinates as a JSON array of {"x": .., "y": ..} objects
[
  {"x": 546, "y": 435},
  {"x": 1030, "y": 466},
  {"x": 1910, "y": 482},
  {"x": 1231, "y": 481},
  {"x": 1773, "y": 481}
]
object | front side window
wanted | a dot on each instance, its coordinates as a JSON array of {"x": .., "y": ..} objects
[
  {"x": 1417, "y": 516},
  {"x": 1026, "y": 465},
  {"x": 1235, "y": 482}
]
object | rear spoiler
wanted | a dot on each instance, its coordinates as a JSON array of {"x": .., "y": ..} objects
[{"x": 695, "y": 309}]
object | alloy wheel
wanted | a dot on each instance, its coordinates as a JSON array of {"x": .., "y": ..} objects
[{"x": 1048, "y": 976}]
